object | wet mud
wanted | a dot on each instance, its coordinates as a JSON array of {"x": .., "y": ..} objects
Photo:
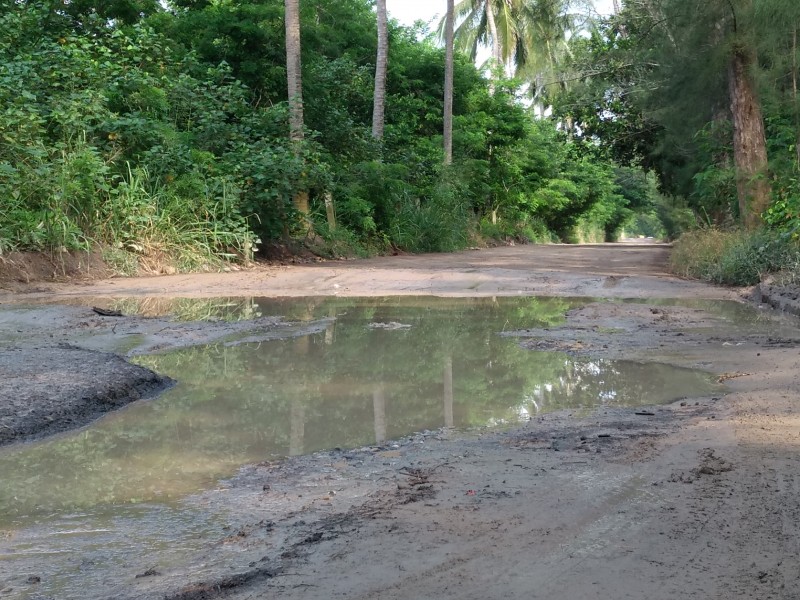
[
  {"x": 44, "y": 391},
  {"x": 693, "y": 498}
]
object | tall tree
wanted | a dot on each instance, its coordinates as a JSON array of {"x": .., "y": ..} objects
[
  {"x": 749, "y": 139},
  {"x": 379, "y": 105},
  {"x": 689, "y": 78},
  {"x": 449, "y": 67},
  {"x": 488, "y": 23},
  {"x": 729, "y": 26},
  {"x": 295, "y": 86}
]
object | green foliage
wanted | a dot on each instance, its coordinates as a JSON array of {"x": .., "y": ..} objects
[
  {"x": 162, "y": 135},
  {"x": 441, "y": 224},
  {"x": 653, "y": 91},
  {"x": 90, "y": 108},
  {"x": 783, "y": 139},
  {"x": 733, "y": 257},
  {"x": 647, "y": 225}
]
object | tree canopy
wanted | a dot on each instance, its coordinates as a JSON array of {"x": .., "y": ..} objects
[
  {"x": 703, "y": 94},
  {"x": 161, "y": 130}
]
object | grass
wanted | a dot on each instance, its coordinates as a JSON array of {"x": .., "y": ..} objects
[{"x": 735, "y": 257}]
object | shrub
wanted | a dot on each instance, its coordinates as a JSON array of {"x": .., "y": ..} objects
[{"x": 733, "y": 257}]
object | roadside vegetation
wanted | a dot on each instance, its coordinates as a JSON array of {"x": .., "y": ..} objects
[
  {"x": 165, "y": 135},
  {"x": 161, "y": 135},
  {"x": 735, "y": 257},
  {"x": 704, "y": 95}
]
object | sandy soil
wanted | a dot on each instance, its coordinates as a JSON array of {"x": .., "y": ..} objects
[
  {"x": 608, "y": 271},
  {"x": 699, "y": 499}
]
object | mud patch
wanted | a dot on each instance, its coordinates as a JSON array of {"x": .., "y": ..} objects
[
  {"x": 710, "y": 465},
  {"x": 785, "y": 298},
  {"x": 221, "y": 587},
  {"x": 19, "y": 269},
  {"x": 49, "y": 390}
]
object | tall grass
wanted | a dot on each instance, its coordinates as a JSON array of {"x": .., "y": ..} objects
[
  {"x": 735, "y": 257},
  {"x": 142, "y": 224},
  {"x": 161, "y": 228}
]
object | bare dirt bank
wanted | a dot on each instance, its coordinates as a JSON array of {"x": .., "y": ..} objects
[{"x": 698, "y": 499}]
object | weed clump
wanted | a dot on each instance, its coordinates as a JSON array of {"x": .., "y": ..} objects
[{"x": 736, "y": 257}]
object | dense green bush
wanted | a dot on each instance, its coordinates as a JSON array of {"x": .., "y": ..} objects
[{"x": 162, "y": 135}]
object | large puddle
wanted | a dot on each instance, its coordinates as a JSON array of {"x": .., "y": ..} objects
[
  {"x": 381, "y": 369},
  {"x": 83, "y": 505}
]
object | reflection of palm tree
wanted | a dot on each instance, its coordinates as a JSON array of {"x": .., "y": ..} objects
[
  {"x": 297, "y": 409},
  {"x": 297, "y": 427},
  {"x": 447, "y": 377},
  {"x": 379, "y": 413}
]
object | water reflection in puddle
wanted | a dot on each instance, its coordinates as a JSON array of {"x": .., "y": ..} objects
[
  {"x": 106, "y": 499},
  {"x": 381, "y": 369}
]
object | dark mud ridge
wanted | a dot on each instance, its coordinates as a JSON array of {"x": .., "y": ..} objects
[
  {"x": 785, "y": 298},
  {"x": 48, "y": 390}
]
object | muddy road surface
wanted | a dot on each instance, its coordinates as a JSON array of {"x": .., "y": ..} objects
[{"x": 538, "y": 422}]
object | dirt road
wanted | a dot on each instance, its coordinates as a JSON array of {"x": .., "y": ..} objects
[
  {"x": 608, "y": 271},
  {"x": 697, "y": 499}
]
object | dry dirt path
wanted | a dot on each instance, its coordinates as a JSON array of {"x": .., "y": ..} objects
[
  {"x": 701, "y": 499},
  {"x": 608, "y": 270}
]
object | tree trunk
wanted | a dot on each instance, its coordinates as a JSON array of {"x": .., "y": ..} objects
[
  {"x": 330, "y": 210},
  {"x": 295, "y": 88},
  {"x": 497, "y": 50},
  {"x": 379, "y": 106},
  {"x": 293, "y": 70},
  {"x": 749, "y": 141},
  {"x": 794, "y": 95},
  {"x": 448, "y": 83}
]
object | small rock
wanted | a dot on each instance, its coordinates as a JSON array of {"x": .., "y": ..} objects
[{"x": 33, "y": 579}]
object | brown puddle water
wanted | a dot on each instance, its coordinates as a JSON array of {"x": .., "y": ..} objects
[{"x": 382, "y": 368}]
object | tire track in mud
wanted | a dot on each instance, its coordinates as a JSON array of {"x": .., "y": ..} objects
[
  {"x": 479, "y": 536},
  {"x": 658, "y": 518}
]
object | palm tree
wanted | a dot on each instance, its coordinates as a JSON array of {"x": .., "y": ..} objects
[
  {"x": 448, "y": 82},
  {"x": 529, "y": 37},
  {"x": 295, "y": 87},
  {"x": 548, "y": 27},
  {"x": 491, "y": 23},
  {"x": 380, "y": 72}
]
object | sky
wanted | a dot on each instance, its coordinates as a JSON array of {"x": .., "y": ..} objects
[{"x": 408, "y": 11}]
